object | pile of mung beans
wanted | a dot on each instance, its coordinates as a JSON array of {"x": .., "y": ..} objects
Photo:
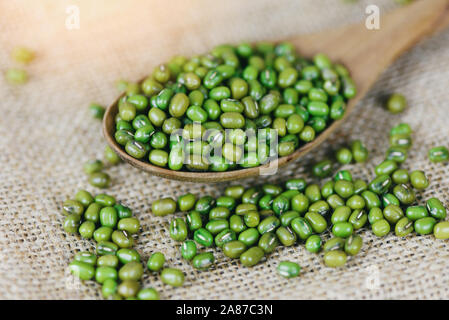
[
  {"x": 114, "y": 265},
  {"x": 248, "y": 224},
  {"x": 234, "y": 107},
  {"x": 198, "y": 106}
]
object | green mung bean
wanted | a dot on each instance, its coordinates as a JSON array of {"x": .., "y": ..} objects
[
  {"x": 439, "y": 154},
  {"x": 441, "y": 230},
  {"x": 251, "y": 257},
  {"x": 436, "y": 208},
  {"x": 313, "y": 243},
  {"x": 396, "y": 103},
  {"x": 203, "y": 260},
  {"x": 288, "y": 269},
  {"x": 86, "y": 257},
  {"x": 156, "y": 261},
  {"x": 126, "y": 255},
  {"x": 419, "y": 180},
  {"x": 335, "y": 258},
  {"x": 99, "y": 179},
  {"x": 82, "y": 270}
]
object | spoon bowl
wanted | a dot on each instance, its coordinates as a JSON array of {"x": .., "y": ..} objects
[{"x": 366, "y": 53}]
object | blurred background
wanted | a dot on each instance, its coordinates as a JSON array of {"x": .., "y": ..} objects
[
  {"x": 135, "y": 35},
  {"x": 46, "y": 134}
]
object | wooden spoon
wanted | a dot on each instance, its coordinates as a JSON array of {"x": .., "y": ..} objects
[{"x": 366, "y": 53}]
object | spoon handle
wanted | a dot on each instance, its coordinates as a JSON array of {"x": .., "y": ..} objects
[{"x": 369, "y": 52}]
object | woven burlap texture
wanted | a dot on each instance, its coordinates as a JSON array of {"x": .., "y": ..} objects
[{"x": 46, "y": 134}]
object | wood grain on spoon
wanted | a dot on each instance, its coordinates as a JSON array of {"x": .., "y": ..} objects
[{"x": 366, "y": 53}]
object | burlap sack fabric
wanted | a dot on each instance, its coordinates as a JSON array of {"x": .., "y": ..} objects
[{"x": 46, "y": 134}]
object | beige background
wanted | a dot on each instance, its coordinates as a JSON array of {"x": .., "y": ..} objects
[{"x": 46, "y": 134}]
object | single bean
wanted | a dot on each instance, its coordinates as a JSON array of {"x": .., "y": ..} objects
[
  {"x": 234, "y": 249},
  {"x": 403, "y": 227},
  {"x": 104, "y": 273},
  {"x": 156, "y": 261},
  {"x": 128, "y": 288},
  {"x": 381, "y": 227},
  {"x": 342, "y": 229},
  {"x": 396, "y": 103},
  {"x": 203, "y": 237},
  {"x": 386, "y": 168},
  {"x": 425, "y": 225},
  {"x": 335, "y": 201},
  {"x": 131, "y": 271},
  {"x": 126, "y": 255},
  {"x": 335, "y": 258},
  {"x": 148, "y": 294},
  {"x": 380, "y": 184},
  {"x": 82, "y": 270},
  {"x": 86, "y": 229},
  {"x": 389, "y": 198},
  {"x": 316, "y": 221},
  {"x": 300, "y": 203},
  {"x": 86, "y": 257},
  {"x": 393, "y": 213},
  {"x": 343, "y": 175},
  {"x": 441, "y": 230},
  {"x": 178, "y": 229},
  {"x": 122, "y": 238},
  {"x": 374, "y": 215},
  {"x": 436, "y": 208},
  {"x": 203, "y": 260},
  {"x": 439, "y": 154},
  {"x": 313, "y": 192},
  {"x": 105, "y": 200},
  {"x": 353, "y": 245},
  {"x": 251, "y": 257},
  {"x": 400, "y": 176},
  {"x": 401, "y": 141},
  {"x": 344, "y": 156},
  {"x": 72, "y": 223},
  {"x": 108, "y": 217},
  {"x": 301, "y": 227},
  {"x": 288, "y": 269},
  {"x": 344, "y": 188},
  {"x": 83, "y": 197},
  {"x": 72, "y": 207},
  {"x": 109, "y": 288},
  {"x": 419, "y": 180},
  {"x": 236, "y": 223},
  {"x": 286, "y": 236},
  {"x": 268, "y": 242},
  {"x": 163, "y": 207},
  {"x": 371, "y": 199},
  {"x": 225, "y": 236},
  {"x": 217, "y": 226},
  {"x": 313, "y": 243},
  {"x": 92, "y": 212},
  {"x": 404, "y": 194},
  {"x": 416, "y": 212},
  {"x": 334, "y": 244}
]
